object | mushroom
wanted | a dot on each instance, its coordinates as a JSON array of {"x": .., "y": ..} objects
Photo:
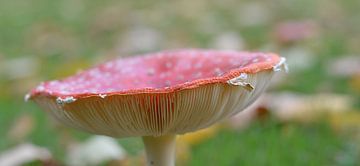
[{"x": 158, "y": 96}]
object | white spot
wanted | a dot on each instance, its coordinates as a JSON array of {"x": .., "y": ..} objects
[
  {"x": 27, "y": 97},
  {"x": 255, "y": 60},
  {"x": 243, "y": 76},
  {"x": 66, "y": 100},
  {"x": 241, "y": 81},
  {"x": 40, "y": 88},
  {"x": 281, "y": 65},
  {"x": 102, "y": 95}
]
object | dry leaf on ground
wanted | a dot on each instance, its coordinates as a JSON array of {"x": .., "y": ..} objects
[
  {"x": 346, "y": 66},
  {"x": 24, "y": 153},
  {"x": 290, "y": 106},
  {"x": 95, "y": 151}
]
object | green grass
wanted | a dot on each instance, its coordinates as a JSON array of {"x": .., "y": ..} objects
[{"x": 273, "y": 143}]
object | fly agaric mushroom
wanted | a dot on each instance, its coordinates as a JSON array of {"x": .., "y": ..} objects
[{"x": 160, "y": 95}]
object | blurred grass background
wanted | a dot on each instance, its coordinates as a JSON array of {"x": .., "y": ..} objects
[{"x": 42, "y": 40}]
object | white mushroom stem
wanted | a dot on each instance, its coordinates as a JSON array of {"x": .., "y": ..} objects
[{"x": 160, "y": 151}]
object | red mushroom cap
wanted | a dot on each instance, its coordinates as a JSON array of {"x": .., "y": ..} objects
[
  {"x": 149, "y": 90},
  {"x": 162, "y": 72}
]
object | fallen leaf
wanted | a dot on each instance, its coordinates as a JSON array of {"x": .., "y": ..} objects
[
  {"x": 24, "y": 153},
  {"x": 299, "y": 58},
  {"x": 95, "y": 151},
  {"x": 19, "y": 68},
  {"x": 346, "y": 66}
]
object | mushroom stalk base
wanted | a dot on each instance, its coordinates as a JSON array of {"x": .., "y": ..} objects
[{"x": 160, "y": 151}]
